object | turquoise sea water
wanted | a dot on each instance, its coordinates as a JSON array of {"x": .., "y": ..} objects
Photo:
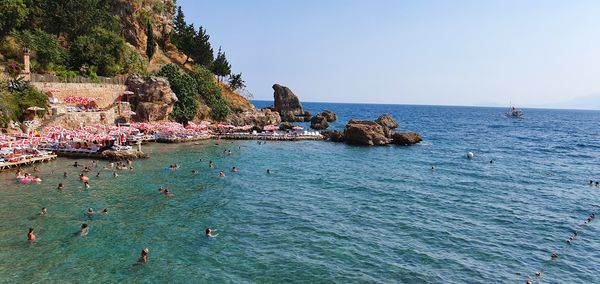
[{"x": 329, "y": 212}]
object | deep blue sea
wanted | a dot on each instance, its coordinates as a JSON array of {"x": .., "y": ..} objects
[{"x": 328, "y": 212}]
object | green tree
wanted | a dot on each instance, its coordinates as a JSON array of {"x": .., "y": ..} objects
[
  {"x": 179, "y": 24},
  {"x": 202, "y": 51},
  {"x": 101, "y": 48},
  {"x": 150, "y": 43},
  {"x": 186, "y": 89},
  {"x": 236, "y": 82},
  {"x": 12, "y": 14},
  {"x": 221, "y": 66},
  {"x": 209, "y": 90},
  {"x": 45, "y": 47}
]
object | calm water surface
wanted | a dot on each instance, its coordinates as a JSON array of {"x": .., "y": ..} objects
[{"x": 329, "y": 212}]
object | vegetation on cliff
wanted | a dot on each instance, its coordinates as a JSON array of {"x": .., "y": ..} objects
[
  {"x": 111, "y": 37},
  {"x": 15, "y": 97}
]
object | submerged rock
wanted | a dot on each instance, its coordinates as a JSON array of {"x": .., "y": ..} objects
[
  {"x": 363, "y": 132},
  {"x": 288, "y": 105},
  {"x": 406, "y": 138},
  {"x": 318, "y": 122}
]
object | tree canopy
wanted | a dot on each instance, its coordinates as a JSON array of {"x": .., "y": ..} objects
[
  {"x": 150, "y": 43},
  {"x": 221, "y": 66}
]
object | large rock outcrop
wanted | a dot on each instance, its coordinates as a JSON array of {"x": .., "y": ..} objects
[
  {"x": 288, "y": 105},
  {"x": 406, "y": 138},
  {"x": 153, "y": 95},
  {"x": 256, "y": 117},
  {"x": 318, "y": 122},
  {"x": 330, "y": 116},
  {"x": 364, "y": 132},
  {"x": 134, "y": 16}
]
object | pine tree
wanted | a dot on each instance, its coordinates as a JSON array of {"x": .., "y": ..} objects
[
  {"x": 202, "y": 51},
  {"x": 236, "y": 82},
  {"x": 179, "y": 23},
  {"x": 150, "y": 43},
  {"x": 221, "y": 66}
]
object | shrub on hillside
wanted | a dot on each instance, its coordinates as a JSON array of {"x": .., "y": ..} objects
[
  {"x": 211, "y": 93},
  {"x": 186, "y": 89}
]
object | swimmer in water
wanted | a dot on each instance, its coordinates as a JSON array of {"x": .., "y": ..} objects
[
  {"x": 105, "y": 211},
  {"x": 221, "y": 174},
  {"x": 591, "y": 182},
  {"x": 210, "y": 164},
  {"x": 167, "y": 193},
  {"x": 36, "y": 170},
  {"x": 37, "y": 179},
  {"x": 31, "y": 236},
  {"x": 84, "y": 229},
  {"x": 554, "y": 256},
  {"x": 209, "y": 233},
  {"x": 234, "y": 169},
  {"x": 143, "y": 256},
  {"x": 90, "y": 212},
  {"x": 44, "y": 211},
  {"x": 75, "y": 164},
  {"x": 268, "y": 171},
  {"x": 115, "y": 174},
  {"x": 98, "y": 174},
  {"x": 194, "y": 172},
  {"x": 161, "y": 189},
  {"x": 60, "y": 186},
  {"x": 131, "y": 168},
  {"x": 491, "y": 161},
  {"x": 597, "y": 183},
  {"x": 86, "y": 184}
]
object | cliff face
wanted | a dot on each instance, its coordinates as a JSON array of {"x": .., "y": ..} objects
[{"x": 135, "y": 14}]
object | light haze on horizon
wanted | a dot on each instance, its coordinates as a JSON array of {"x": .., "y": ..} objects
[{"x": 531, "y": 53}]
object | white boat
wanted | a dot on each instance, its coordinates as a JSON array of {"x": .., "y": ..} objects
[{"x": 514, "y": 112}]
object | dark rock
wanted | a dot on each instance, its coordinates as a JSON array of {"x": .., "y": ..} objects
[
  {"x": 387, "y": 121},
  {"x": 123, "y": 155},
  {"x": 286, "y": 126},
  {"x": 318, "y": 122},
  {"x": 288, "y": 105},
  {"x": 333, "y": 136},
  {"x": 406, "y": 138},
  {"x": 329, "y": 115},
  {"x": 361, "y": 132}
]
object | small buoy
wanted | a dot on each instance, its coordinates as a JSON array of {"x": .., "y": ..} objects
[{"x": 469, "y": 155}]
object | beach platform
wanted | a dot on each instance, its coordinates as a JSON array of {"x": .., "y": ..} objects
[
  {"x": 26, "y": 162},
  {"x": 183, "y": 139},
  {"x": 269, "y": 137}
]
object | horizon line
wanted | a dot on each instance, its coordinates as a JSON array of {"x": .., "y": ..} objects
[{"x": 439, "y": 105}]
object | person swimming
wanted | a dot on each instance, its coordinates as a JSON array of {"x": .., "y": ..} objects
[
  {"x": 75, "y": 164},
  {"x": 167, "y": 193},
  {"x": 31, "y": 236},
  {"x": 84, "y": 229},
  {"x": 554, "y": 255},
  {"x": 105, "y": 211},
  {"x": 209, "y": 233},
  {"x": 221, "y": 174},
  {"x": 98, "y": 174},
  {"x": 194, "y": 172},
  {"x": 115, "y": 174},
  {"x": 161, "y": 189},
  {"x": 268, "y": 171},
  {"x": 60, "y": 186},
  {"x": 90, "y": 212},
  {"x": 86, "y": 184},
  {"x": 234, "y": 169},
  {"x": 143, "y": 256},
  {"x": 210, "y": 164},
  {"x": 37, "y": 179},
  {"x": 82, "y": 177},
  {"x": 44, "y": 211}
]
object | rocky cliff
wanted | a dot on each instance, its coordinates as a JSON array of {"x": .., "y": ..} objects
[{"x": 288, "y": 105}]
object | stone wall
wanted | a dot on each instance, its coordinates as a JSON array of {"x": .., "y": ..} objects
[
  {"x": 72, "y": 120},
  {"x": 106, "y": 94}
]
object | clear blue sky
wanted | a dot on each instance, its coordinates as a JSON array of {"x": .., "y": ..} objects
[{"x": 533, "y": 52}]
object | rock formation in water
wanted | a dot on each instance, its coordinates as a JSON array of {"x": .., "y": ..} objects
[
  {"x": 364, "y": 132},
  {"x": 288, "y": 105},
  {"x": 330, "y": 116},
  {"x": 318, "y": 122},
  {"x": 379, "y": 132},
  {"x": 406, "y": 138},
  {"x": 153, "y": 96}
]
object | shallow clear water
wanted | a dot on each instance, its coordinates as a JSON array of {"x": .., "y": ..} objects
[{"x": 329, "y": 212}]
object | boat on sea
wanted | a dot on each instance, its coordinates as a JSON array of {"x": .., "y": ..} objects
[{"x": 514, "y": 112}]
